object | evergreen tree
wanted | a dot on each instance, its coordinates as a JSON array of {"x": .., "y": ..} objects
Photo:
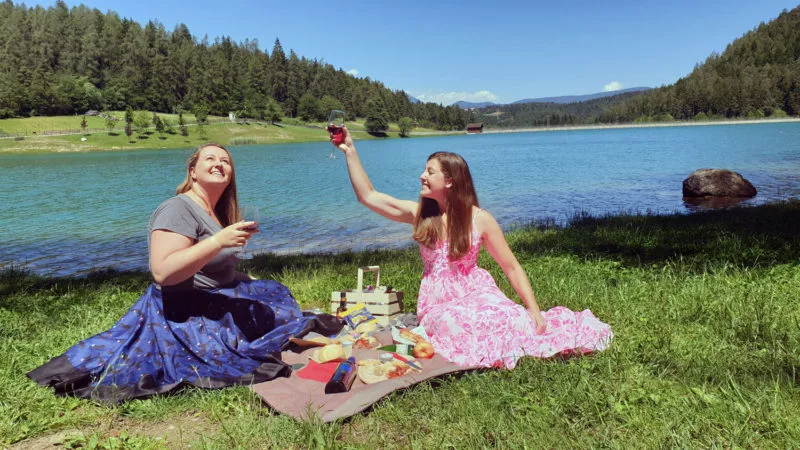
[
  {"x": 406, "y": 125},
  {"x": 141, "y": 121},
  {"x": 200, "y": 113},
  {"x": 62, "y": 60},
  {"x": 308, "y": 109},
  {"x": 377, "y": 116},
  {"x": 160, "y": 127},
  {"x": 272, "y": 111},
  {"x": 328, "y": 104},
  {"x": 296, "y": 83},
  {"x": 279, "y": 72},
  {"x": 111, "y": 122}
]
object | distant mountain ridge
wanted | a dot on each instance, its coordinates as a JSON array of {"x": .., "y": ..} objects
[
  {"x": 580, "y": 98},
  {"x": 467, "y": 105},
  {"x": 564, "y": 99}
]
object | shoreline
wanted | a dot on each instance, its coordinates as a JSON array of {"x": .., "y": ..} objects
[
  {"x": 641, "y": 125},
  {"x": 227, "y": 134},
  {"x": 403, "y": 242}
]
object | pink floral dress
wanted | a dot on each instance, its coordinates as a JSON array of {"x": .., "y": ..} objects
[{"x": 472, "y": 323}]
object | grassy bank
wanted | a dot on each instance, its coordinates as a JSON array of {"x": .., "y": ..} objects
[
  {"x": 704, "y": 307},
  {"x": 63, "y": 134}
]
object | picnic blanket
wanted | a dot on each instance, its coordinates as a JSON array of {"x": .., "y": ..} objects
[{"x": 304, "y": 398}]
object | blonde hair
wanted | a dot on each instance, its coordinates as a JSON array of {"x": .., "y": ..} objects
[
  {"x": 461, "y": 197},
  {"x": 227, "y": 208}
]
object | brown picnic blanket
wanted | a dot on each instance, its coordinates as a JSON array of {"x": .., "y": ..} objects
[{"x": 303, "y": 398}]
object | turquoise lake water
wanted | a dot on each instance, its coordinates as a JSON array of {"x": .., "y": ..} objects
[{"x": 72, "y": 213}]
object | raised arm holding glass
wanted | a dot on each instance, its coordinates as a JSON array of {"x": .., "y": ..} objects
[{"x": 468, "y": 318}]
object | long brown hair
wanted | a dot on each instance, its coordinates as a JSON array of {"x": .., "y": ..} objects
[
  {"x": 227, "y": 208},
  {"x": 461, "y": 197}
]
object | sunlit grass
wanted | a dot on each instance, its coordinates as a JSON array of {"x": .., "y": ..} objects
[
  {"x": 220, "y": 130},
  {"x": 40, "y": 124},
  {"x": 704, "y": 308}
]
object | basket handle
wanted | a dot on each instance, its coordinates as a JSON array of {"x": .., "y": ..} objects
[{"x": 361, "y": 271}]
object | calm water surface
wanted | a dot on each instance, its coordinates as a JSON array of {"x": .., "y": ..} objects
[{"x": 69, "y": 214}]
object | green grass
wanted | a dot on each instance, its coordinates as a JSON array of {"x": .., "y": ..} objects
[
  {"x": 220, "y": 130},
  {"x": 704, "y": 307},
  {"x": 40, "y": 124}
]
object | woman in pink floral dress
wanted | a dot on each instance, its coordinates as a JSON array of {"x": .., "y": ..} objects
[{"x": 467, "y": 317}]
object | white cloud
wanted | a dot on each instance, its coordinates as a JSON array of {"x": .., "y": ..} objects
[
  {"x": 613, "y": 86},
  {"x": 352, "y": 72},
  {"x": 448, "y": 98}
]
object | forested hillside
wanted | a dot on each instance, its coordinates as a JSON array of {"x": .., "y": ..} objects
[
  {"x": 57, "y": 60},
  {"x": 758, "y": 75},
  {"x": 524, "y": 115}
]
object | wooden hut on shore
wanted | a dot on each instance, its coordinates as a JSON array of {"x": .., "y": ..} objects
[{"x": 473, "y": 128}]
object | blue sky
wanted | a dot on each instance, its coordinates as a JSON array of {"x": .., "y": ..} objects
[{"x": 500, "y": 51}]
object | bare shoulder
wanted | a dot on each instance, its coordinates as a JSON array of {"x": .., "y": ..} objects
[{"x": 484, "y": 220}]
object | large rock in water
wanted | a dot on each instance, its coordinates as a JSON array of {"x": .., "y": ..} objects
[{"x": 717, "y": 183}]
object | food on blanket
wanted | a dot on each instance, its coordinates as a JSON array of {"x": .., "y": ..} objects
[
  {"x": 405, "y": 333},
  {"x": 359, "y": 319},
  {"x": 346, "y": 339},
  {"x": 423, "y": 349},
  {"x": 320, "y": 340},
  {"x": 367, "y": 327},
  {"x": 368, "y": 362},
  {"x": 372, "y": 371},
  {"x": 330, "y": 352},
  {"x": 303, "y": 344},
  {"x": 366, "y": 342},
  {"x": 358, "y": 315}
]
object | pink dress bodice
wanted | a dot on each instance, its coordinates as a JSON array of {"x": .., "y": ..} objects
[{"x": 444, "y": 280}]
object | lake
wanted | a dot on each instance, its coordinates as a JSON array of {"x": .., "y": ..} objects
[{"x": 72, "y": 213}]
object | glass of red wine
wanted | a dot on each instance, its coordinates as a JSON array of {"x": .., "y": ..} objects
[
  {"x": 335, "y": 125},
  {"x": 249, "y": 214}
]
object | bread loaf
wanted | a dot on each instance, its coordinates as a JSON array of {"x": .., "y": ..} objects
[
  {"x": 329, "y": 353},
  {"x": 405, "y": 333}
]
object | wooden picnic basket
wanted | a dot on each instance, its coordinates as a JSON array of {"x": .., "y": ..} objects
[{"x": 384, "y": 305}]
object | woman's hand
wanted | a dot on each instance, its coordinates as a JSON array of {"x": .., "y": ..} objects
[
  {"x": 347, "y": 144},
  {"x": 236, "y": 235},
  {"x": 538, "y": 321}
]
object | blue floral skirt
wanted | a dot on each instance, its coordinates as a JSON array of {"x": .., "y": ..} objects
[{"x": 206, "y": 338}]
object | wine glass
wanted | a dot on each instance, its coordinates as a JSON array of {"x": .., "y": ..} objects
[
  {"x": 249, "y": 214},
  {"x": 335, "y": 125}
]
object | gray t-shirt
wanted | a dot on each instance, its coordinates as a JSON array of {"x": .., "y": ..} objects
[{"x": 180, "y": 214}]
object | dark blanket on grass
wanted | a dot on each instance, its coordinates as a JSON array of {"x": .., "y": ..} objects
[
  {"x": 305, "y": 398},
  {"x": 168, "y": 339}
]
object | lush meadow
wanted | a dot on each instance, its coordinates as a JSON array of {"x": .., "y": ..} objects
[
  {"x": 64, "y": 133},
  {"x": 704, "y": 307}
]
